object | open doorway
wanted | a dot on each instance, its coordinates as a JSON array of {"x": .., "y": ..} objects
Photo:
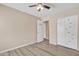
[
  {"x": 46, "y": 30},
  {"x": 42, "y": 30}
]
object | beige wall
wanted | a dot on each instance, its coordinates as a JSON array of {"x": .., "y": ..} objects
[
  {"x": 16, "y": 28},
  {"x": 53, "y": 23},
  {"x": 52, "y": 30}
]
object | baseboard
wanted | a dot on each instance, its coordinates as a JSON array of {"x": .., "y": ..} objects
[
  {"x": 17, "y": 47},
  {"x": 40, "y": 41},
  {"x": 54, "y": 43},
  {"x": 68, "y": 48}
]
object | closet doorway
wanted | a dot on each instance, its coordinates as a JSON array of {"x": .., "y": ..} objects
[
  {"x": 42, "y": 30},
  {"x": 46, "y": 30}
]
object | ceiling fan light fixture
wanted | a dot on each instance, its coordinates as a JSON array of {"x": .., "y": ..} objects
[{"x": 40, "y": 7}]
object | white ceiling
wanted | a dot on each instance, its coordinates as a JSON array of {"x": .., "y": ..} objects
[{"x": 55, "y": 8}]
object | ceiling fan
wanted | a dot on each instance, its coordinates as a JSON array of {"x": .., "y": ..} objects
[{"x": 40, "y": 6}]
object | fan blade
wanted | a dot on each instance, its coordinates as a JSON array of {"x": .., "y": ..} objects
[
  {"x": 32, "y": 5},
  {"x": 45, "y": 6}
]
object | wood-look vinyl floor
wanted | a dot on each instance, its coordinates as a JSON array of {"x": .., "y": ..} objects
[{"x": 41, "y": 49}]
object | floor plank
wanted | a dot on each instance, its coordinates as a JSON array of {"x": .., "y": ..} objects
[{"x": 42, "y": 49}]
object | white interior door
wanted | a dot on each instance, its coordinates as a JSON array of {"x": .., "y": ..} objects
[
  {"x": 70, "y": 32},
  {"x": 67, "y": 32},
  {"x": 40, "y": 32}
]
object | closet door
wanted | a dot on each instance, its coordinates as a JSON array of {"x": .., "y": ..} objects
[
  {"x": 60, "y": 32},
  {"x": 39, "y": 31},
  {"x": 70, "y": 32}
]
